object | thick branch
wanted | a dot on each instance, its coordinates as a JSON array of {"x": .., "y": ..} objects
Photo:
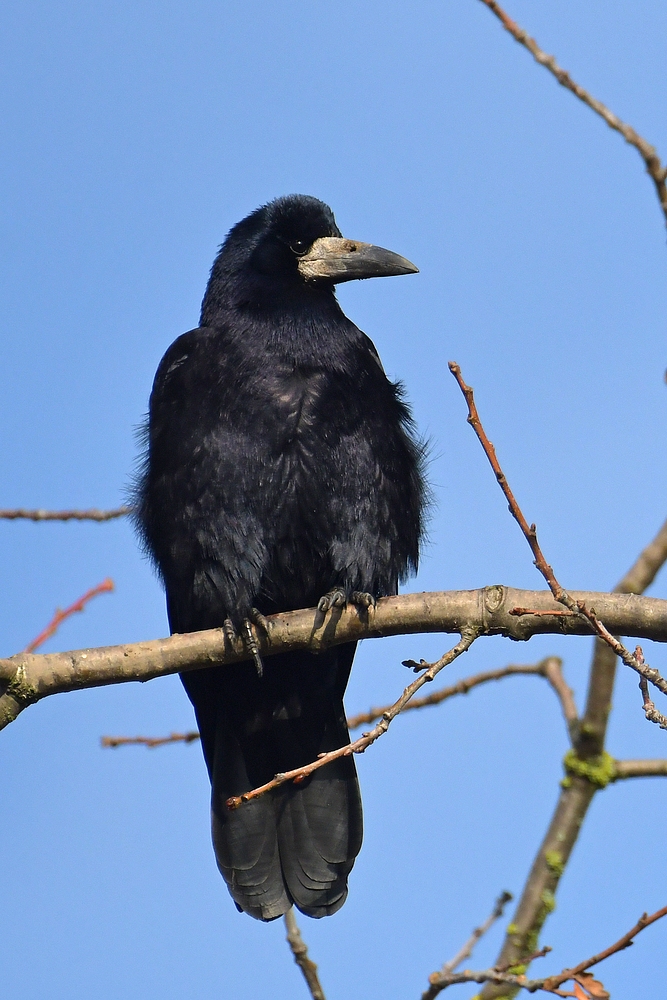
[
  {"x": 654, "y": 167},
  {"x": 27, "y": 678}
]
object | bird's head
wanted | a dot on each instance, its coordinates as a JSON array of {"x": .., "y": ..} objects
[{"x": 287, "y": 249}]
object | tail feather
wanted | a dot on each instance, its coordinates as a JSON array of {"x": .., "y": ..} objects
[
  {"x": 296, "y": 844},
  {"x": 319, "y": 834}
]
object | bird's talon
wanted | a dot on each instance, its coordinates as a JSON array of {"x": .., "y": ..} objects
[
  {"x": 252, "y": 647},
  {"x": 336, "y": 598},
  {"x": 257, "y": 618},
  {"x": 362, "y": 599}
]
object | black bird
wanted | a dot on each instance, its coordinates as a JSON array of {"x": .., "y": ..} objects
[{"x": 282, "y": 472}]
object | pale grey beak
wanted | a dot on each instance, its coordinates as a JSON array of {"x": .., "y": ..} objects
[{"x": 335, "y": 259}]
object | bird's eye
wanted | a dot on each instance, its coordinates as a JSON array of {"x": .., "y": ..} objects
[{"x": 299, "y": 247}]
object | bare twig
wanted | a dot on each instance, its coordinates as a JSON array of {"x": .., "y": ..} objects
[
  {"x": 27, "y": 678},
  {"x": 300, "y": 952},
  {"x": 588, "y": 766},
  {"x": 641, "y": 575},
  {"x": 517, "y": 980},
  {"x": 59, "y": 617},
  {"x": 467, "y": 949},
  {"x": 639, "y": 769},
  {"x": 530, "y": 533},
  {"x": 299, "y": 774},
  {"x": 148, "y": 741},
  {"x": 654, "y": 167},
  {"x": 20, "y": 514},
  {"x": 549, "y": 668},
  {"x": 650, "y": 711},
  {"x": 553, "y": 982}
]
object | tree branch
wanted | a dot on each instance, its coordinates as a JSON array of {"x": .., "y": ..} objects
[
  {"x": 576, "y": 607},
  {"x": 549, "y": 668},
  {"x": 300, "y": 952},
  {"x": 586, "y": 771},
  {"x": 60, "y": 616},
  {"x": 639, "y": 769},
  {"x": 21, "y": 514},
  {"x": 27, "y": 678},
  {"x": 654, "y": 167},
  {"x": 466, "y": 951},
  {"x": 500, "y": 977},
  {"x": 299, "y": 774}
]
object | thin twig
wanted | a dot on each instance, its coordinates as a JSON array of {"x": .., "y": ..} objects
[
  {"x": 59, "y": 617},
  {"x": 467, "y": 949},
  {"x": 21, "y": 514},
  {"x": 300, "y": 952},
  {"x": 299, "y": 774},
  {"x": 550, "y": 984},
  {"x": 530, "y": 533},
  {"x": 553, "y": 982},
  {"x": 550, "y": 668},
  {"x": 148, "y": 741},
  {"x": 650, "y": 711},
  {"x": 654, "y": 167}
]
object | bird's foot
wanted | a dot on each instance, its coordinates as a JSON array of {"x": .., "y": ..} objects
[
  {"x": 336, "y": 598},
  {"x": 247, "y": 636},
  {"x": 260, "y": 620},
  {"x": 362, "y": 599}
]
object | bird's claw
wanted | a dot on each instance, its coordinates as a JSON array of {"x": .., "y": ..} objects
[
  {"x": 335, "y": 598},
  {"x": 252, "y": 647},
  {"x": 247, "y": 636},
  {"x": 260, "y": 620},
  {"x": 362, "y": 599}
]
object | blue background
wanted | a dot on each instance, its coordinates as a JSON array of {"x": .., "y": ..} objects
[{"x": 135, "y": 135}]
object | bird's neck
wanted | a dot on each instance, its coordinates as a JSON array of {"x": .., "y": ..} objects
[{"x": 302, "y": 328}]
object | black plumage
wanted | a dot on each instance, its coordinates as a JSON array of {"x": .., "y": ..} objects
[{"x": 282, "y": 472}]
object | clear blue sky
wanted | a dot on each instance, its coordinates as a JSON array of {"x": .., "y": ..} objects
[{"x": 134, "y": 136}]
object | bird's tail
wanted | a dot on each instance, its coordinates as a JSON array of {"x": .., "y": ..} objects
[{"x": 298, "y": 843}]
